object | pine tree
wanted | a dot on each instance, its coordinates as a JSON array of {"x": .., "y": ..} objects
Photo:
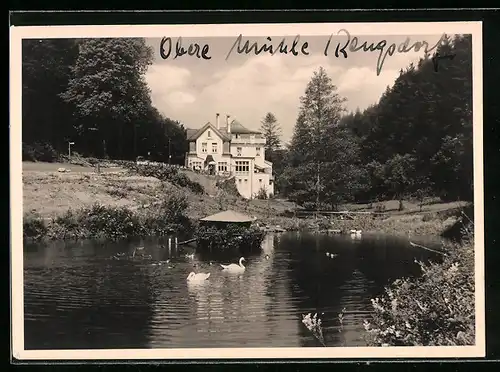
[
  {"x": 310, "y": 153},
  {"x": 272, "y": 132}
]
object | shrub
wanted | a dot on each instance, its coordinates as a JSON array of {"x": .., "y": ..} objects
[
  {"x": 436, "y": 309},
  {"x": 229, "y": 186},
  {"x": 261, "y": 194},
  {"x": 39, "y": 152},
  {"x": 33, "y": 227},
  {"x": 165, "y": 172},
  {"x": 116, "y": 223},
  {"x": 109, "y": 222}
]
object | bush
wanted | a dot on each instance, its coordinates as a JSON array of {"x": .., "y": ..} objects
[
  {"x": 262, "y": 194},
  {"x": 33, "y": 227},
  {"x": 230, "y": 237},
  {"x": 229, "y": 186},
  {"x": 114, "y": 223},
  {"x": 165, "y": 173},
  {"x": 39, "y": 152},
  {"x": 436, "y": 309}
]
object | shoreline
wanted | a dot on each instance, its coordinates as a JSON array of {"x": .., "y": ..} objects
[
  {"x": 157, "y": 224},
  {"x": 55, "y": 203}
]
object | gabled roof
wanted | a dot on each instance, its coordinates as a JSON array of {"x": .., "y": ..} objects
[
  {"x": 199, "y": 132},
  {"x": 236, "y": 127},
  {"x": 190, "y": 132},
  {"x": 228, "y": 216}
]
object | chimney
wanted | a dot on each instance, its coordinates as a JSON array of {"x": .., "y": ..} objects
[
  {"x": 217, "y": 121},
  {"x": 228, "y": 123}
]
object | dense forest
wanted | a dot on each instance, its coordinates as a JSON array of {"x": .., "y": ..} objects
[
  {"x": 415, "y": 142},
  {"x": 93, "y": 92}
]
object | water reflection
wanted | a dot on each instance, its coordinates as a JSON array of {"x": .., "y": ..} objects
[{"x": 97, "y": 295}]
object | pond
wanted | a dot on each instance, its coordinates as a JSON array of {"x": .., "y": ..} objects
[{"x": 91, "y": 295}]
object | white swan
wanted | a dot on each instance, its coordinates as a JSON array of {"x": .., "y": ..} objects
[
  {"x": 235, "y": 267},
  {"x": 197, "y": 278},
  {"x": 356, "y": 234}
]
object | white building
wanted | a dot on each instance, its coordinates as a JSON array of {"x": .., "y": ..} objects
[{"x": 232, "y": 150}]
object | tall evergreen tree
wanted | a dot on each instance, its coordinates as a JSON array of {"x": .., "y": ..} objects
[
  {"x": 272, "y": 132},
  {"x": 313, "y": 149}
]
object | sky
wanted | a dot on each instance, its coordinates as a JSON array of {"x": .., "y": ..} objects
[{"x": 193, "y": 90}]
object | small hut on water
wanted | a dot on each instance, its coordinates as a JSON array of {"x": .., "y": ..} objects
[
  {"x": 229, "y": 229},
  {"x": 222, "y": 220}
]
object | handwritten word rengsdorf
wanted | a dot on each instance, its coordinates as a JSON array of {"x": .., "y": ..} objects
[{"x": 354, "y": 45}]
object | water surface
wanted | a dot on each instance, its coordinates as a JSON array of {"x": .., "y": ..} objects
[{"x": 89, "y": 295}]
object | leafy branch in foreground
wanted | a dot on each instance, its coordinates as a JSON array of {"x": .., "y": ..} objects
[
  {"x": 435, "y": 309},
  {"x": 313, "y": 324}
]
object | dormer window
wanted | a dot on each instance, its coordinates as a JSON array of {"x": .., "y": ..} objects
[
  {"x": 238, "y": 151},
  {"x": 209, "y": 134}
]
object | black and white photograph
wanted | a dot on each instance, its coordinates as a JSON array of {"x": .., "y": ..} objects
[{"x": 247, "y": 191}]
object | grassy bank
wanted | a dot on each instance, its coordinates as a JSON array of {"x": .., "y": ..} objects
[
  {"x": 109, "y": 222},
  {"x": 139, "y": 193}
]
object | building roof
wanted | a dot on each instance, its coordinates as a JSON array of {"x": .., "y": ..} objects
[
  {"x": 190, "y": 132},
  {"x": 198, "y": 132},
  {"x": 228, "y": 216},
  {"x": 237, "y": 127}
]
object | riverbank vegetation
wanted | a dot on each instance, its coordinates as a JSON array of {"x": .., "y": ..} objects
[
  {"x": 434, "y": 309},
  {"x": 113, "y": 223}
]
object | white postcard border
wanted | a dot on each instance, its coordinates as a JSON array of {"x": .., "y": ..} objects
[{"x": 233, "y": 30}]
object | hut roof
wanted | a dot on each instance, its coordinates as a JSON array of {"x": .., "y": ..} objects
[{"x": 228, "y": 216}]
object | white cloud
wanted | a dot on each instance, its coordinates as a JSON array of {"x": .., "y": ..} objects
[
  {"x": 180, "y": 98},
  {"x": 167, "y": 84},
  {"x": 363, "y": 87},
  {"x": 261, "y": 84}
]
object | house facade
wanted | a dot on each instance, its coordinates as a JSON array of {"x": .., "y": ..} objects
[{"x": 232, "y": 151}]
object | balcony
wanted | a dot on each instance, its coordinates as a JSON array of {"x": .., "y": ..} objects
[{"x": 248, "y": 141}]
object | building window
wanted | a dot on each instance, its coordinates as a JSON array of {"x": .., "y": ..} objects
[
  {"x": 239, "y": 180},
  {"x": 204, "y": 147},
  {"x": 214, "y": 148},
  {"x": 238, "y": 151},
  {"x": 257, "y": 151},
  {"x": 260, "y": 180},
  {"x": 237, "y": 136},
  {"x": 270, "y": 182},
  {"x": 222, "y": 166},
  {"x": 209, "y": 134},
  {"x": 246, "y": 180},
  {"x": 242, "y": 167}
]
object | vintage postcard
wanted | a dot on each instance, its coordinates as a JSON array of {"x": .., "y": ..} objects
[{"x": 247, "y": 191}]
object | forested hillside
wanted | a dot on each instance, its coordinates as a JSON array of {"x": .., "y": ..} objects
[{"x": 415, "y": 142}]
